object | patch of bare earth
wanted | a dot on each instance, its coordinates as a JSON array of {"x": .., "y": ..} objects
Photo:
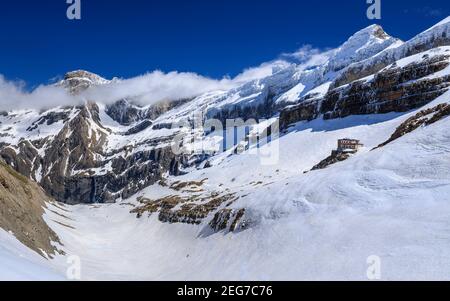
[{"x": 22, "y": 204}]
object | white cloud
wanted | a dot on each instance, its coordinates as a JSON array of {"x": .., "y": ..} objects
[
  {"x": 149, "y": 88},
  {"x": 307, "y": 57},
  {"x": 144, "y": 90},
  {"x": 13, "y": 96},
  {"x": 261, "y": 71},
  {"x": 156, "y": 86}
]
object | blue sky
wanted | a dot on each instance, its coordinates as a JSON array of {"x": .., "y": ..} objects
[{"x": 214, "y": 38}]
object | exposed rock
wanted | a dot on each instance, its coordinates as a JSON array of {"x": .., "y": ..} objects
[
  {"x": 156, "y": 110},
  {"x": 75, "y": 168},
  {"x": 139, "y": 128},
  {"x": 207, "y": 165},
  {"x": 50, "y": 118},
  {"x": 180, "y": 209},
  {"x": 192, "y": 186},
  {"x": 334, "y": 158},
  {"x": 80, "y": 80},
  {"x": 395, "y": 89},
  {"x": 262, "y": 111},
  {"x": 228, "y": 219},
  {"x": 424, "y": 117},
  {"x": 126, "y": 113},
  {"x": 436, "y": 37},
  {"x": 305, "y": 111},
  {"x": 22, "y": 204}
]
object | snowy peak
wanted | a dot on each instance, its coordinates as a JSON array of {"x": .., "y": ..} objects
[
  {"x": 371, "y": 31},
  {"x": 445, "y": 21},
  {"x": 362, "y": 45},
  {"x": 85, "y": 75},
  {"x": 437, "y": 35},
  {"x": 79, "y": 80}
]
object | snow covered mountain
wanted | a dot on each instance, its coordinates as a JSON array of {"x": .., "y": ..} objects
[{"x": 220, "y": 213}]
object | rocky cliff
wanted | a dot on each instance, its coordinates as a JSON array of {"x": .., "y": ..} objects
[
  {"x": 22, "y": 204},
  {"x": 399, "y": 87},
  {"x": 75, "y": 165},
  {"x": 77, "y": 159}
]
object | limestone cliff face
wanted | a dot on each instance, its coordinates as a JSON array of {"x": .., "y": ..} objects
[
  {"x": 394, "y": 89},
  {"x": 75, "y": 167},
  {"x": 126, "y": 113},
  {"x": 22, "y": 204}
]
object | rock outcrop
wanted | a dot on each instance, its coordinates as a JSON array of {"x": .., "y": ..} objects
[
  {"x": 228, "y": 220},
  {"x": 22, "y": 204},
  {"x": 423, "y": 118},
  {"x": 74, "y": 167},
  {"x": 80, "y": 80},
  {"x": 394, "y": 89},
  {"x": 179, "y": 208},
  {"x": 126, "y": 113},
  {"x": 334, "y": 158}
]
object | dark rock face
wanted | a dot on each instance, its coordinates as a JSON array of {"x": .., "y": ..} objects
[
  {"x": 228, "y": 219},
  {"x": 333, "y": 159},
  {"x": 75, "y": 168},
  {"x": 156, "y": 110},
  {"x": 23, "y": 163},
  {"x": 304, "y": 111},
  {"x": 264, "y": 110},
  {"x": 397, "y": 89},
  {"x": 261, "y": 111},
  {"x": 423, "y": 118},
  {"x": 139, "y": 128},
  {"x": 50, "y": 118},
  {"x": 126, "y": 113}
]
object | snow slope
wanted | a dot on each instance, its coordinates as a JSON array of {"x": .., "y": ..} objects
[
  {"x": 18, "y": 263},
  {"x": 391, "y": 202},
  {"x": 322, "y": 225}
]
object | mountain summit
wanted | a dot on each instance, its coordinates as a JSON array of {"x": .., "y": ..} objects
[
  {"x": 79, "y": 80},
  {"x": 362, "y": 45}
]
